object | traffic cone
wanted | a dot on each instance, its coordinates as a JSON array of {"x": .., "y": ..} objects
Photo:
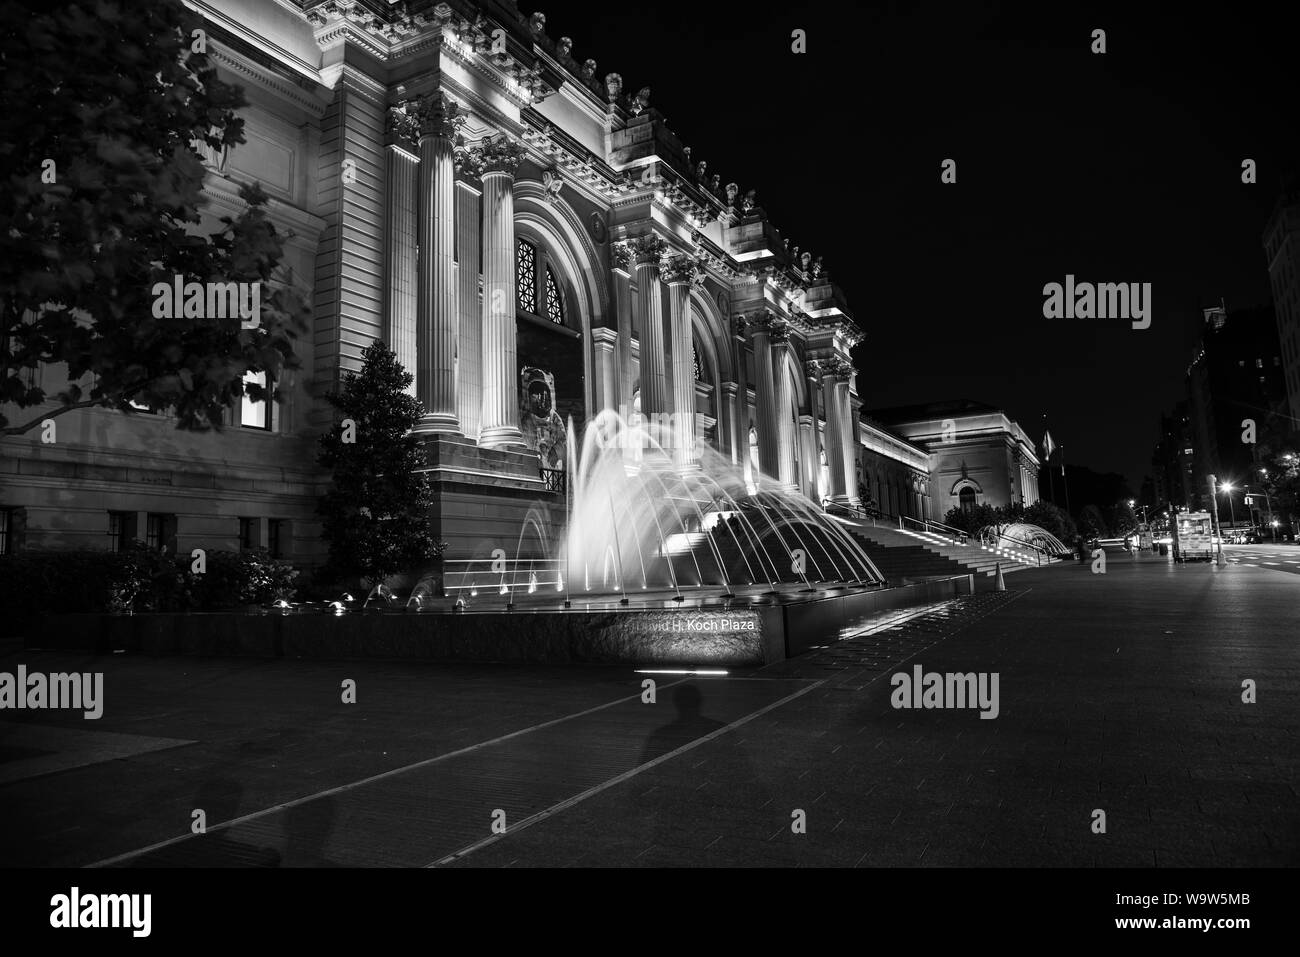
[{"x": 999, "y": 583}]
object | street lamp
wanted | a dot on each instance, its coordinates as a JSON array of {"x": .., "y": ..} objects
[{"x": 1232, "y": 512}]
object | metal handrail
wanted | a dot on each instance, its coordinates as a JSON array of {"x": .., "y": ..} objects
[
  {"x": 1038, "y": 550},
  {"x": 935, "y": 528}
]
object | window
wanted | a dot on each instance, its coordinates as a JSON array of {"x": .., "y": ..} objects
[
  {"x": 6, "y": 531},
  {"x": 554, "y": 304},
  {"x": 1259, "y": 363},
  {"x": 160, "y": 531},
  {"x": 277, "y": 537},
  {"x": 255, "y": 414},
  {"x": 967, "y": 498},
  {"x": 121, "y": 530},
  {"x": 248, "y": 534},
  {"x": 696, "y": 372},
  {"x": 526, "y": 275},
  {"x": 539, "y": 292}
]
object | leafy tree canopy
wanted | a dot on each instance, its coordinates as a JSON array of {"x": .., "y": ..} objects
[{"x": 105, "y": 102}]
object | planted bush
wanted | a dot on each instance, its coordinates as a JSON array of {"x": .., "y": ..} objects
[{"x": 139, "y": 579}]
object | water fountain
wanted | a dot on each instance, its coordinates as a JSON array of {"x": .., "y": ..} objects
[{"x": 638, "y": 527}]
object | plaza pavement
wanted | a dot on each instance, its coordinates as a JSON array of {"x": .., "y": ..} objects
[{"x": 1118, "y": 692}]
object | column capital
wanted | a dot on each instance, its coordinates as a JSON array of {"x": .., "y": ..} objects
[
  {"x": 497, "y": 154},
  {"x": 433, "y": 114},
  {"x": 681, "y": 268},
  {"x": 765, "y": 322},
  {"x": 830, "y": 366},
  {"x": 620, "y": 256},
  {"x": 647, "y": 250}
]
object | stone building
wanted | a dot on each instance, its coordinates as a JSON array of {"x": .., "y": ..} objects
[
  {"x": 535, "y": 243},
  {"x": 975, "y": 454}
]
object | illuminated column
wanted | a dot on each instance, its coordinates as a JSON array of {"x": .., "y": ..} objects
[
  {"x": 401, "y": 202},
  {"x": 648, "y": 251},
  {"x": 834, "y": 429},
  {"x": 731, "y": 415},
  {"x": 603, "y": 341},
  {"x": 679, "y": 272},
  {"x": 764, "y": 327},
  {"x": 499, "y": 158},
  {"x": 469, "y": 339},
  {"x": 436, "y": 320},
  {"x": 785, "y": 413},
  {"x": 843, "y": 374},
  {"x": 622, "y": 269},
  {"x": 808, "y": 456}
]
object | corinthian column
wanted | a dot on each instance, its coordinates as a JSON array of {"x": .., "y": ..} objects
[
  {"x": 785, "y": 411},
  {"x": 848, "y": 434},
  {"x": 436, "y": 321},
  {"x": 499, "y": 158},
  {"x": 762, "y": 326},
  {"x": 402, "y": 199},
  {"x": 679, "y": 273},
  {"x": 829, "y": 369},
  {"x": 648, "y": 251},
  {"x": 469, "y": 349}
]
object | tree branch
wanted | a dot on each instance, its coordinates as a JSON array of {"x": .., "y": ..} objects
[{"x": 72, "y": 407}]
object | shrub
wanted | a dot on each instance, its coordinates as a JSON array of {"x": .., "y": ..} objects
[{"x": 139, "y": 579}]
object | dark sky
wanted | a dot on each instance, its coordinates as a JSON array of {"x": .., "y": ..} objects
[{"x": 1122, "y": 167}]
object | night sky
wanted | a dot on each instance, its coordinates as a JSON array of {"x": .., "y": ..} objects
[{"x": 1122, "y": 167}]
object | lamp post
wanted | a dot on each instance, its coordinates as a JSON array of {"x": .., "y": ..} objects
[
  {"x": 1232, "y": 512},
  {"x": 1214, "y": 485}
]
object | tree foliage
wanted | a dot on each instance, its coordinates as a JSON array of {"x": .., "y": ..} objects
[
  {"x": 376, "y": 512},
  {"x": 108, "y": 100}
]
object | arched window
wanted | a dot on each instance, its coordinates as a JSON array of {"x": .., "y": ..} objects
[
  {"x": 526, "y": 275},
  {"x": 539, "y": 291},
  {"x": 753, "y": 448},
  {"x": 967, "y": 498}
]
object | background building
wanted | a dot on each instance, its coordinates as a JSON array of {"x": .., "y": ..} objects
[
  {"x": 1282, "y": 250},
  {"x": 975, "y": 453},
  {"x": 1236, "y": 375}
]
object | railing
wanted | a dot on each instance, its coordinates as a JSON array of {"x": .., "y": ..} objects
[
  {"x": 934, "y": 528},
  {"x": 1041, "y": 555},
  {"x": 554, "y": 480}
]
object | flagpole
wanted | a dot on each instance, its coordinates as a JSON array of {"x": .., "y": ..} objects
[
  {"x": 1065, "y": 478},
  {"x": 1051, "y": 479}
]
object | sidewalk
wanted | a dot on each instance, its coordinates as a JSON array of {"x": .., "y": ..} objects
[{"x": 1119, "y": 692}]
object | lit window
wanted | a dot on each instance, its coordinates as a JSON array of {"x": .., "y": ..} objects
[
  {"x": 554, "y": 304},
  {"x": 255, "y": 414},
  {"x": 526, "y": 276}
]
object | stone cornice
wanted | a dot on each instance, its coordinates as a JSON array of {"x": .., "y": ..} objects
[{"x": 272, "y": 82}]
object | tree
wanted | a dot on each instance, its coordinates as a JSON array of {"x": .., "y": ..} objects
[
  {"x": 1051, "y": 519},
  {"x": 104, "y": 105},
  {"x": 376, "y": 514},
  {"x": 1121, "y": 519},
  {"x": 1091, "y": 523},
  {"x": 1279, "y": 458}
]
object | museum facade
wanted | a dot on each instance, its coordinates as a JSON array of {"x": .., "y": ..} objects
[{"x": 536, "y": 244}]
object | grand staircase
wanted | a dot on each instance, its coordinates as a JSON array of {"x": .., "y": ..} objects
[{"x": 904, "y": 554}]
